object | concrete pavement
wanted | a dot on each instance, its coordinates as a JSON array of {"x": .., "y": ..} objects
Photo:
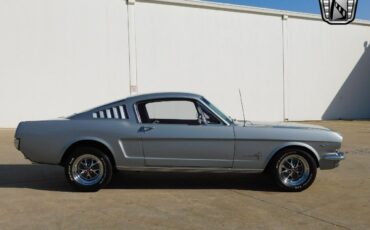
[{"x": 38, "y": 196}]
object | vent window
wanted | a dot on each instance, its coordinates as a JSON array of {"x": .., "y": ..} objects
[{"x": 116, "y": 112}]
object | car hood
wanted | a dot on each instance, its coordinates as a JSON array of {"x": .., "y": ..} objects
[{"x": 289, "y": 125}]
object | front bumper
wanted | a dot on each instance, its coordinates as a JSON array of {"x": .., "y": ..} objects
[{"x": 331, "y": 160}]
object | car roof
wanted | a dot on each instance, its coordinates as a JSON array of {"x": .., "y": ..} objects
[
  {"x": 137, "y": 98},
  {"x": 163, "y": 95}
]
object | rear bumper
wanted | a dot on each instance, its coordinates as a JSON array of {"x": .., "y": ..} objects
[{"x": 331, "y": 160}]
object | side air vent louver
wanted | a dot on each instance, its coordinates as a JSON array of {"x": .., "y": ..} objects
[{"x": 117, "y": 112}]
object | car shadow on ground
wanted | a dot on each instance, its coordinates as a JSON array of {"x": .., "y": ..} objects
[{"x": 51, "y": 178}]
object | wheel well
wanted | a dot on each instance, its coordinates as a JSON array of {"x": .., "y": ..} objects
[
  {"x": 293, "y": 147},
  {"x": 89, "y": 143}
]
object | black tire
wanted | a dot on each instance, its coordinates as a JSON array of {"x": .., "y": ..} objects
[
  {"x": 297, "y": 183},
  {"x": 103, "y": 169}
]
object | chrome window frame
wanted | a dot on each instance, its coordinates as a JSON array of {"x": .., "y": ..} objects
[
  {"x": 213, "y": 112},
  {"x": 138, "y": 118}
]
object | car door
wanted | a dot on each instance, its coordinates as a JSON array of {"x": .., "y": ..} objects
[{"x": 173, "y": 134}]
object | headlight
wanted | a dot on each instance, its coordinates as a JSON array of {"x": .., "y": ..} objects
[{"x": 17, "y": 142}]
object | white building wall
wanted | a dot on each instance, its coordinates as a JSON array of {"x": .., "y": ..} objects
[
  {"x": 328, "y": 74},
  {"x": 60, "y": 57},
  {"x": 214, "y": 53}
]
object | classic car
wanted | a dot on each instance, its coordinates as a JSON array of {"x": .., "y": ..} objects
[{"x": 176, "y": 132}]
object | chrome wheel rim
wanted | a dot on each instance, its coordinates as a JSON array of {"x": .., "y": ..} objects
[
  {"x": 87, "y": 169},
  {"x": 294, "y": 170}
]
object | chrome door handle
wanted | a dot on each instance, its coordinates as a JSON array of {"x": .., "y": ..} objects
[{"x": 147, "y": 128}]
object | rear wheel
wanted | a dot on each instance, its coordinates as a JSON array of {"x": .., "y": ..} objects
[
  {"x": 88, "y": 169},
  {"x": 294, "y": 170}
]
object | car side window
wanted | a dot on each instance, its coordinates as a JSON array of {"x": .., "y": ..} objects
[{"x": 169, "y": 112}]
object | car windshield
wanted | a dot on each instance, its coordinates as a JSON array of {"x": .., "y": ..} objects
[{"x": 216, "y": 110}]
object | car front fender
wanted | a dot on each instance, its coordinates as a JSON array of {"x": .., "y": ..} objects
[{"x": 292, "y": 145}]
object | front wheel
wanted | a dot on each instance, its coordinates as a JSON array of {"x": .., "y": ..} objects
[
  {"x": 294, "y": 170},
  {"x": 88, "y": 169}
]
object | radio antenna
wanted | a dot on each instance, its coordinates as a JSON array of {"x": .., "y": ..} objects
[{"x": 241, "y": 102}]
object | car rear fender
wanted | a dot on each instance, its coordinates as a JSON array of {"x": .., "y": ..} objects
[{"x": 84, "y": 139}]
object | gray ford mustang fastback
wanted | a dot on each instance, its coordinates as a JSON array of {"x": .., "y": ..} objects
[{"x": 176, "y": 132}]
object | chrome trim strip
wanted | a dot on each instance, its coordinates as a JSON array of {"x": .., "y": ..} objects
[
  {"x": 196, "y": 99},
  {"x": 122, "y": 147},
  {"x": 214, "y": 113},
  {"x": 137, "y": 113},
  {"x": 189, "y": 169},
  {"x": 115, "y": 113},
  {"x": 122, "y": 112},
  {"x": 109, "y": 115}
]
